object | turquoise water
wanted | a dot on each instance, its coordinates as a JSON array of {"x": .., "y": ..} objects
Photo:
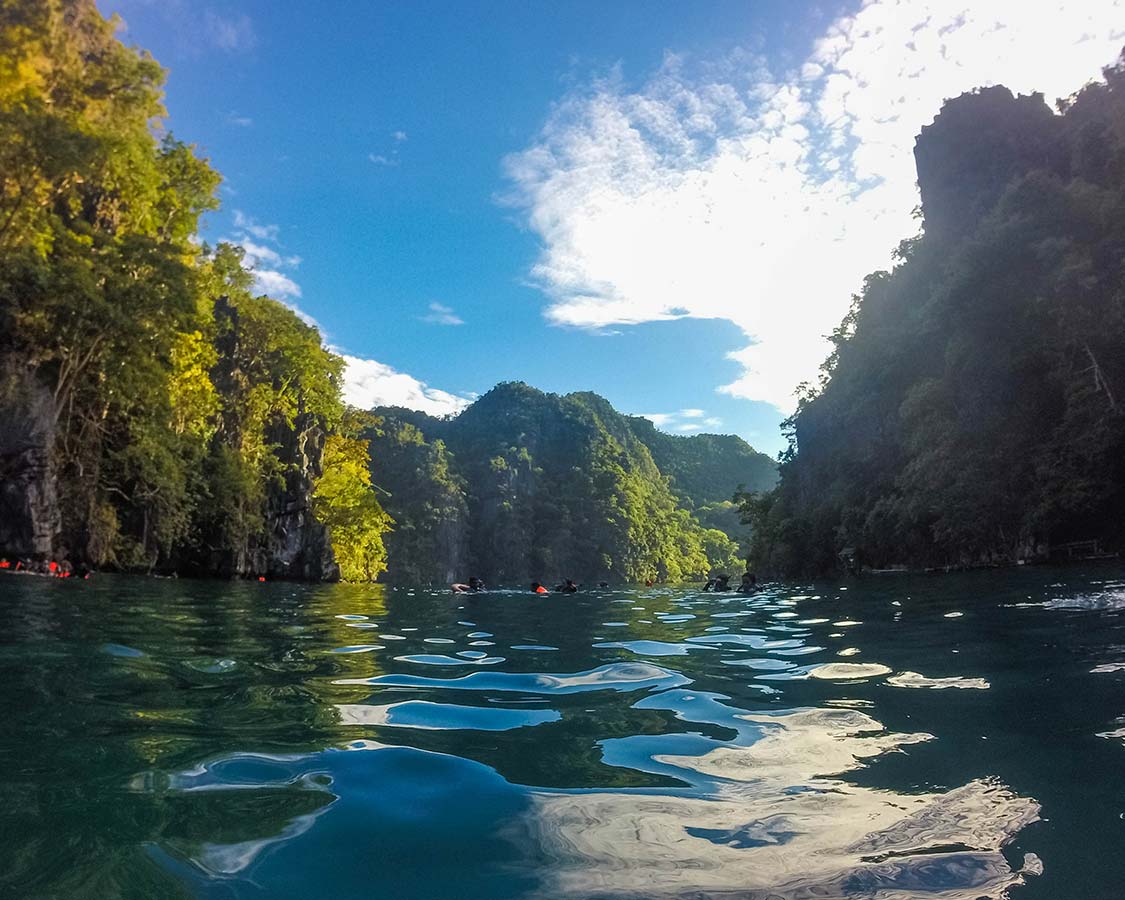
[{"x": 942, "y": 737}]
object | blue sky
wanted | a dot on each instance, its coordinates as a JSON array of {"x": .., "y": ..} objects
[{"x": 667, "y": 203}]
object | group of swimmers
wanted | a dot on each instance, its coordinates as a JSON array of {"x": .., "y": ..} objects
[
  {"x": 567, "y": 586},
  {"x": 720, "y": 583},
  {"x": 748, "y": 585},
  {"x": 46, "y": 567}
]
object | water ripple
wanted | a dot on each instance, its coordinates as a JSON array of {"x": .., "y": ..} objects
[
  {"x": 212, "y": 744},
  {"x": 613, "y": 677}
]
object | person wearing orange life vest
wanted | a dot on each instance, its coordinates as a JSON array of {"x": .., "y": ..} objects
[{"x": 537, "y": 588}]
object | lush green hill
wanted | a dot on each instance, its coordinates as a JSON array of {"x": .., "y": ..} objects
[
  {"x": 705, "y": 471},
  {"x": 706, "y": 468},
  {"x": 974, "y": 407},
  {"x": 551, "y": 487}
]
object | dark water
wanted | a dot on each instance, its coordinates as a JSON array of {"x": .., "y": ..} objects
[{"x": 946, "y": 737}]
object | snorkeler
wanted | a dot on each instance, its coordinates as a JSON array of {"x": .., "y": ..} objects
[
  {"x": 537, "y": 588},
  {"x": 474, "y": 586},
  {"x": 567, "y": 587},
  {"x": 749, "y": 583},
  {"x": 719, "y": 583}
]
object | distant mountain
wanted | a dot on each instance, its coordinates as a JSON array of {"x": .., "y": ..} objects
[
  {"x": 706, "y": 468},
  {"x": 527, "y": 485}
]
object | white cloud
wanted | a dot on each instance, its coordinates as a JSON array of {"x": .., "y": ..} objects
[
  {"x": 399, "y": 136},
  {"x": 230, "y": 34},
  {"x": 241, "y": 121},
  {"x": 683, "y": 420},
  {"x": 380, "y": 160},
  {"x": 256, "y": 254},
  {"x": 368, "y": 383},
  {"x": 266, "y": 263},
  {"x": 261, "y": 232},
  {"x": 764, "y": 200},
  {"x": 440, "y": 314},
  {"x": 195, "y": 29},
  {"x": 276, "y": 284}
]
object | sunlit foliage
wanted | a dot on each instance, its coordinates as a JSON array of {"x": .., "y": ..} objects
[{"x": 188, "y": 413}]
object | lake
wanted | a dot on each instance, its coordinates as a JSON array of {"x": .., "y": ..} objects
[{"x": 956, "y": 736}]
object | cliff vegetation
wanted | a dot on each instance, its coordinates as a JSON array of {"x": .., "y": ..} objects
[{"x": 972, "y": 410}]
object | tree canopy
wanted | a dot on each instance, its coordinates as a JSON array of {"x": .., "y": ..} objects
[
  {"x": 972, "y": 408},
  {"x": 527, "y": 485},
  {"x": 187, "y": 419}
]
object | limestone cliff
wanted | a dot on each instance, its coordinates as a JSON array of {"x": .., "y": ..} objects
[
  {"x": 29, "y": 510},
  {"x": 297, "y": 545}
]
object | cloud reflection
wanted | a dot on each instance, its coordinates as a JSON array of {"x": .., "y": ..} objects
[{"x": 770, "y": 817}]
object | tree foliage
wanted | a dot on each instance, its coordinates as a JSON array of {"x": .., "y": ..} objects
[
  {"x": 344, "y": 501},
  {"x": 426, "y": 498},
  {"x": 189, "y": 417},
  {"x": 526, "y": 485},
  {"x": 971, "y": 410}
]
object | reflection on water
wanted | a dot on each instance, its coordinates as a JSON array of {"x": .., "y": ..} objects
[
  {"x": 423, "y": 714},
  {"x": 771, "y": 818},
  {"x": 231, "y": 741},
  {"x": 915, "y": 680}
]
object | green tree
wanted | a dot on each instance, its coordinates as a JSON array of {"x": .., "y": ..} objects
[
  {"x": 188, "y": 418},
  {"x": 344, "y": 501}
]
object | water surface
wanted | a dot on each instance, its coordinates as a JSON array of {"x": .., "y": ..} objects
[{"x": 945, "y": 737}]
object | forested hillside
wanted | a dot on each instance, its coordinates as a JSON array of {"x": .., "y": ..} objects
[
  {"x": 972, "y": 409},
  {"x": 705, "y": 470},
  {"x": 157, "y": 414},
  {"x": 525, "y": 485}
]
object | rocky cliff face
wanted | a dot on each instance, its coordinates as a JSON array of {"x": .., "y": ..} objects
[
  {"x": 429, "y": 541},
  {"x": 29, "y": 509},
  {"x": 975, "y": 148},
  {"x": 451, "y": 539},
  {"x": 297, "y": 545},
  {"x": 293, "y": 545}
]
